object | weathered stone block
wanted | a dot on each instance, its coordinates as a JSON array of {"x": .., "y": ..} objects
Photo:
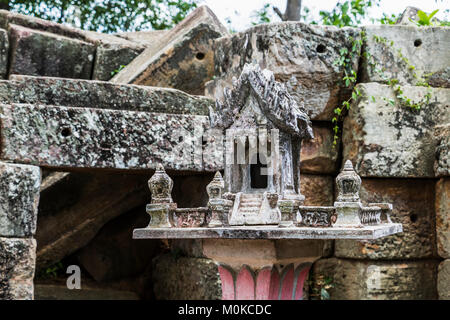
[
  {"x": 417, "y": 45},
  {"x": 443, "y": 280},
  {"x": 412, "y": 207},
  {"x": 443, "y": 217},
  {"x": 377, "y": 280},
  {"x": 4, "y": 51},
  {"x": 184, "y": 61},
  {"x": 7, "y": 18},
  {"x": 61, "y": 137},
  {"x": 410, "y": 13},
  {"x": 100, "y": 95},
  {"x": 317, "y": 189},
  {"x": 19, "y": 190},
  {"x": 293, "y": 51},
  {"x": 406, "y": 147},
  {"x": 318, "y": 155},
  {"x": 17, "y": 261},
  {"x": 147, "y": 38},
  {"x": 442, "y": 159},
  {"x": 185, "y": 278},
  {"x": 440, "y": 78},
  {"x": 73, "y": 210},
  {"x": 110, "y": 57},
  {"x": 46, "y": 54}
]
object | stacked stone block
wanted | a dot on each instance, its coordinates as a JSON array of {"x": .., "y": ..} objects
[
  {"x": 400, "y": 154},
  {"x": 19, "y": 200}
]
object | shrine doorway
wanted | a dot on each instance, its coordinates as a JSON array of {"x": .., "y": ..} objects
[{"x": 258, "y": 172}]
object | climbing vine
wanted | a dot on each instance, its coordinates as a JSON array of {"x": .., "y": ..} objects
[{"x": 350, "y": 77}]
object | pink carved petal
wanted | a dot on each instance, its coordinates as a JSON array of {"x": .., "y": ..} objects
[
  {"x": 287, "y": 286},
  {"x": 227, "y": 283},
  {"x": 245, "y": 285},
  {"x": 301, "y": 277},
  {"x": 274, "y": 285},
  {"x": 263, "y": 284}
]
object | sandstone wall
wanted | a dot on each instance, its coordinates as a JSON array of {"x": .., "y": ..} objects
[{"x": 401, "y": 154}]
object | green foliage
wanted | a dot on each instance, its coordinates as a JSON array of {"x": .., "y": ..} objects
[
  {"x": 349, "y": 79},
  {"x": 347, "y": 13},
  {"x": 108, "y": 15},
  {"x": 424, "y": 18},
  {"x": 51, "y": 272},
  {"x": 393, "y": 83},
  {"x": 262, "y": 15},
  {"x": 344, "y": 61},
  {"x": 116, "y": 71},
  {"x": 385, "y": 19}
]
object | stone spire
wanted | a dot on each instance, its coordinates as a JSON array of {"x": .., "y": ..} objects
[
  {"x": 348, "y": 183},
  {"x": 160, "y": 185},
  {"x": 215, "y": 187}
]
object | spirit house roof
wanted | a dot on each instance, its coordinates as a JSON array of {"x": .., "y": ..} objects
[{"x": 272, "y": 98}]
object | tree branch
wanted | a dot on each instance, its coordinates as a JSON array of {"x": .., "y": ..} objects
[
  {"x": 278, "y": 12},
  {"x": 292, "y": 13}
]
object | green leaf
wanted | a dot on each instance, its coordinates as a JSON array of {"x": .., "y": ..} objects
[
  {"x": 422, "y": 16},
  {"x": 432, "y": 14},
  {"x": 372, "y": 98}
]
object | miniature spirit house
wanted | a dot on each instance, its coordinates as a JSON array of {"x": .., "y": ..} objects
[{"x": 258, "y": 198}]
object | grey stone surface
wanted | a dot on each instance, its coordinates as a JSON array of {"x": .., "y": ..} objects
[
  {"x": 440, "y": 78},
  {"x": 301, "y": 56},
  {"x": 406, "y": 147},
  {"x": 410, "y": 13},
  {"x": 17, "y": 264},
  {"x": 416, "y": 44},
  {"x": 442, "y": 206},
  {"x": 318, "y": 156},
  {"x": 19, "y": 189},
  {"x": 378, "y": 280},
  {"x": 8, "y": 17},
  {"x": 442, "y": 159},
  {"x": 46, "y": 54},
  {"x": 148, "y": 37},
  {"x": 100, "y": 95},
  {"x": 413, "y": 207},
  {"x": 4, "y": 52},
  {"x": 269, "y": 232},
  {"x": 183, "y": 61},
  {"x": 185, "y": 278},
  {"x": 110, "y": 57},
  {"x": 443, "y": 280},
  {"x": 62, "y": 137}
]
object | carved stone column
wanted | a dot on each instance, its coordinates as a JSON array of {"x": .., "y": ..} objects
[
  {"x": 263, "y": 269},
  {"x": 19, "y": 198}
]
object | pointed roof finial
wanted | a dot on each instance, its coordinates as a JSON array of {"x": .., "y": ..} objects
[{"x": 348, "y": 166}]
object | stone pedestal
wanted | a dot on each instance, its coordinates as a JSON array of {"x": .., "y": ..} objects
[{"x": 263, "y": 269}]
